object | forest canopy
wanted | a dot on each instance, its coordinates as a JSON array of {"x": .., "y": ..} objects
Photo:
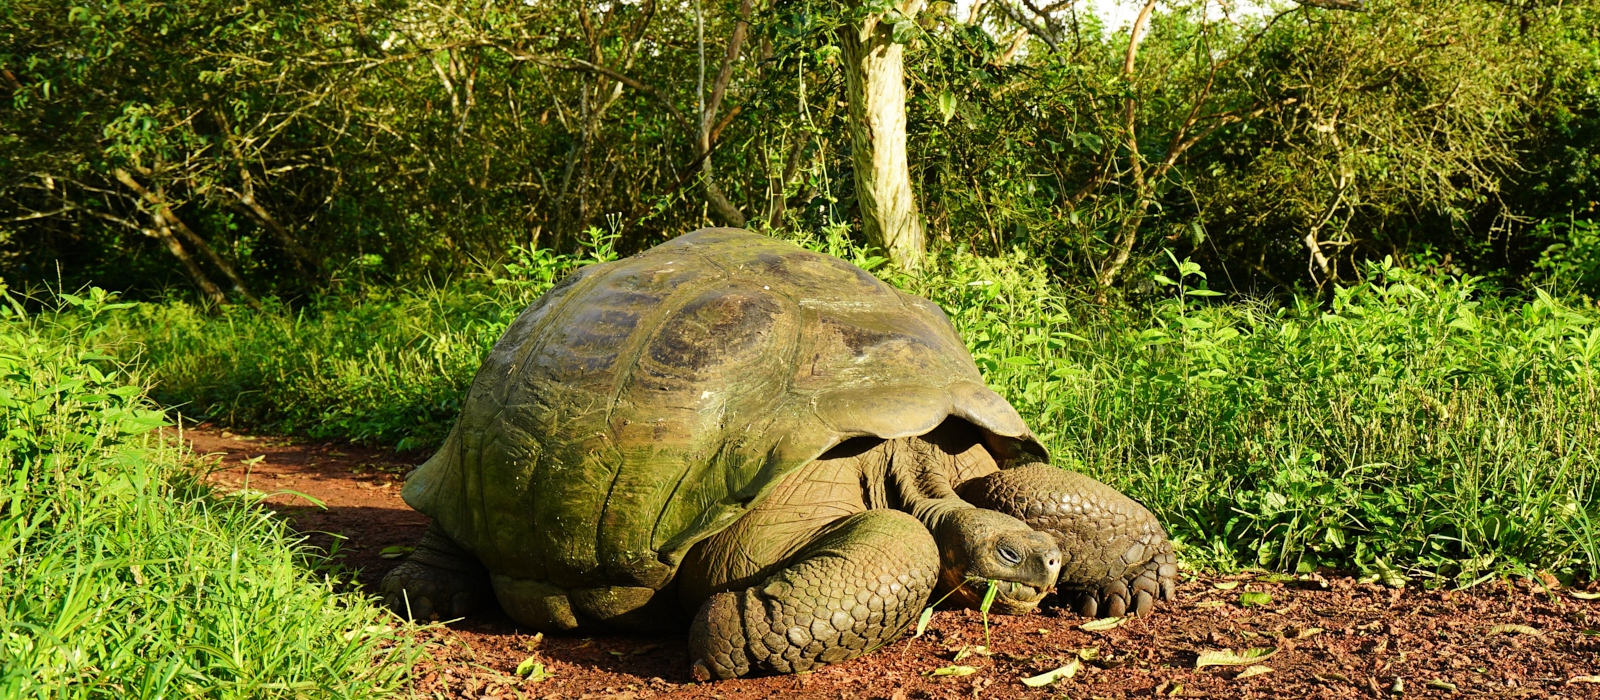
[{"x": 241, "y": 150}]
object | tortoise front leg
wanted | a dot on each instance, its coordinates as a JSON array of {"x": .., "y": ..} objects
[
  {"x": 854, "y": 589},
  {"x": 1116, "y": 558}
]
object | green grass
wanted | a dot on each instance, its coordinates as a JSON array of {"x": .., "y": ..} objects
[
  {"x": 124, "y": 575},
  {"x": 1417, "y": 427}
]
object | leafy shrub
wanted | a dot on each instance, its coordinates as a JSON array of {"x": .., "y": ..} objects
[
  {"x": 1573, "y": 265},
  {"x": 124, "y": 575},
  {"x": 1412, "y": 424}
]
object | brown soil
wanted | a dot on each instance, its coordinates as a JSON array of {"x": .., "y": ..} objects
[{"x": 1334, "y": 637}]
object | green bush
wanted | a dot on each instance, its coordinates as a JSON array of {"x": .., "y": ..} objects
[
  {"x": 124, "y": 575},
  {"x": 1416, "y": 426}
]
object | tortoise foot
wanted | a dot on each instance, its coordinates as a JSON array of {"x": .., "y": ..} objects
[
  {"x": 1134, "y": 593},
  {"x": 1118, "y": 559},
  {"x": 439, "y": 581}
]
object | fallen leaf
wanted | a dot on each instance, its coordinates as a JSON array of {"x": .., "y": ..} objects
[
  {"x": 1048, "y": 677},
  {"x": 1252, "y": 598},
  {"x": 1584, "y": 595},
  {"x": 1584, "y": 679},
  {"x": 953, "y": 671},
  {"x": 644, "y": 649},
  {"x": 1101, "y": 625},
  {"x": 1275, "y": 578},
  {"x": 1441, "y": 684},
  {"x": 533, "y": 642},
  {"x": 966, "y": 651},
  {"x": 1227, "y": 657},
  {"x": 533, "y": 670},
  {"x": 1257, "y": 670},
  {"x": 1340, "y": 677},
  {"x": 395, "y": 552},
  {"x": 1088, "y": 653},
  {"x": 1515, "y": 629},
  {"x": 1043, "y": 632},
  {"x": 1211, "y": 604},
  {"x": 922, "y": 622},
  {"x": 1225, "y": 585},
  {"x": 1308, "y": 632}
]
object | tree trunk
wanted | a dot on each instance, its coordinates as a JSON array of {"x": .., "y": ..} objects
[
  {"x": 167, "y": 221},
  {"x": 207, "y": 287},
  {"x": 876, "y": 92}
]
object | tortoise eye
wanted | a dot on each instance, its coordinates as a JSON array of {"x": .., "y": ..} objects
[{"x": 1009, "y": 555}]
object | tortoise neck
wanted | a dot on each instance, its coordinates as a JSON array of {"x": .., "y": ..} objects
[{"x": 916, "y": 476}]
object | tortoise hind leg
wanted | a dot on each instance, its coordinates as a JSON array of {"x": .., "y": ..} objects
[
  {"x": 439, "y": 581},
  {"x": 854, "y": 589},
  {"x": 1116, "y": 558}
]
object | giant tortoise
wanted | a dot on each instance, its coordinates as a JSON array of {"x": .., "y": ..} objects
[{"x": 766, "y": 445}]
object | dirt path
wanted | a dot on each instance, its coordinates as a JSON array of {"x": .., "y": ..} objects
[{"x": 1334, "y": 638}]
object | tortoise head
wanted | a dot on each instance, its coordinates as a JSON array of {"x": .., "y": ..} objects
[{"x": 979, "y": 548}]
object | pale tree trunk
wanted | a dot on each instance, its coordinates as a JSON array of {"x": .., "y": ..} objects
[
  {"x": 876, "y": 93},
  {"x": 167, "y": 222}
]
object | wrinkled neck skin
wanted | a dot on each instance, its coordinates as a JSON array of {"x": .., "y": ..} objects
[{"x": 916, "y": 475}]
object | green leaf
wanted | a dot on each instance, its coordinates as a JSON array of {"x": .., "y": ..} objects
[
  {"x": 1048, "y": 677},
  {"x": 533, "y": 670},
  {"x": 989, "y": 596},
  {"x": 1515, "y": 629},
  {"x": 922, "y": 622},
  {"x": 905, "y": 30},
  {"x": 953, "y": 671},
  {"x": 1253, "y": 598},
  {"x": 395, "y": 552},
  {"x": 1227, "y": 657},
  {"x": 947, "y": 105}
]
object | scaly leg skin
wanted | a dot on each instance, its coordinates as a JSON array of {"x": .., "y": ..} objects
[
  {"x": 439, "y": 581},
  {"x": 1116, "y": 559},
  {"x": 858, "y": 587}
]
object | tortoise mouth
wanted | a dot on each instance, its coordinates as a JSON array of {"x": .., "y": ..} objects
[
  {"x": 1016, "y": 598},
  {"x": 1013, "y": 598}
]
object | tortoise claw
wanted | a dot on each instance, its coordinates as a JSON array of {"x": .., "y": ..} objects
[{"x": 1134, "y": 593}]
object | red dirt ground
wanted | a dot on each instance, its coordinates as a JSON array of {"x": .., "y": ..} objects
[{"x": 1334, "y": 637}]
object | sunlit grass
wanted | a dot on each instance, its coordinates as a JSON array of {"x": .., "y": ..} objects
[{"x": 124, "y": 576}]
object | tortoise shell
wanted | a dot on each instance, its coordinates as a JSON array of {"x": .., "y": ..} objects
[{"x": 645, "y": 404}]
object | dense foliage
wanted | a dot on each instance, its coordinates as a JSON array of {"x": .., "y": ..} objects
[
  {"x": 1416, "y": 427},
  {"x": 281, "y": 147},
  {"x": 125, "y": 576}
]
